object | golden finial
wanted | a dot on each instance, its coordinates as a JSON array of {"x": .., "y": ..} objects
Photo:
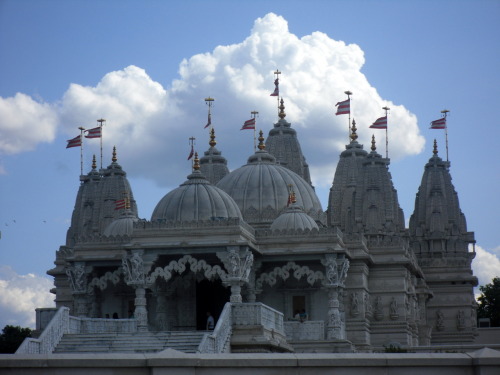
[
  {"x": 373, "y": 143},
  {"x": 127, "y": 202},
  {"x": 261, "y": 145},
  {"x": 282, "y": 113},
  {"x": 435, "y": 151},
  {"x": 196, "y": 164},
  {"x": 94, "y": 165},
  {"x": 353, "y": 135},
  {"x": 114, "y": 159},
  {"x": 212, "y": 142}
]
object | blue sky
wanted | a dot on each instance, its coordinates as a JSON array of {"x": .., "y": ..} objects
[{"x": 146, "y": 67}]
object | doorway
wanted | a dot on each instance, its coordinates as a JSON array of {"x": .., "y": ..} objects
[{"x": 210, "y": 296}]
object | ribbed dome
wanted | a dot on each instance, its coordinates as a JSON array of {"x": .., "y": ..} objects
[
  {"x": 122, "y": 226},
  {"x": 294, "y": 218},
  {"x": 196, "y": 199},
  {"x": 260, "y": 188}
]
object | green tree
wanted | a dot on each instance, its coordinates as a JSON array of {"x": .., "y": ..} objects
[
  {"x": 489, "y": 302},
  {"x": 12, "y": 337}
]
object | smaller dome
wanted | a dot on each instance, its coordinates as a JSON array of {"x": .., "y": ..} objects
[
  {"x": 294, "y": 218},
  {"x": 123, "y": 226},
  {"x": 196, "y": 199}
]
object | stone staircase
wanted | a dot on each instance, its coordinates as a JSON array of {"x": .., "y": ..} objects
[{"x": 137, "y": 342}]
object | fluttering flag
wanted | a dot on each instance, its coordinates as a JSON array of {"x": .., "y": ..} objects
[
  {"x": 249, "y": 124},
  {"x": 75, "y": 142},
  {"x": 93, "y": 133},
  {"x": 120, "y": 204},
  {"x": 438, "y": 124},
  {"x": 209, "y": 121},
  {"x": 276, "y": 91},
  {"x": 191, "y": 153},
  {"x": 380, "y": 123},
  {"x": 343, "y": 108}
]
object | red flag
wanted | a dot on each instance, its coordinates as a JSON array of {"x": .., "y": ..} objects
[
  {"x": 93, "y": 133},
  {"x": 380, "y": 123},
  {"x": 249, "y": 124},
  {"x": 438, "y": 124},
  {"x": 209, "y": 121},
  {"x": 276, "y": 91},
  {"x": 75, "y": 142},
  {"x": 120, "y": 204},
  {"x": 191, "y": 153},
  {"x": 344, "y": 108}
]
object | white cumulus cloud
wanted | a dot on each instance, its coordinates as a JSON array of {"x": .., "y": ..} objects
[
  {"x": 20, "y": 295},
  {"x": 150, "y": 123},
  {"x": 486, "y": 265},
  {"x": 24, "y": 123}
]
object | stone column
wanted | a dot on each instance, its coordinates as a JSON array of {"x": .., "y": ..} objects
[
  {"x": 336, "y": 273},
  {"x": 238, "y": 263},
  {"x": 135, "y": 276},
  {"x": 78, "y": 282}
]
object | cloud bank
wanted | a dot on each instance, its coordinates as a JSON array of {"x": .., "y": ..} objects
[
  {"x": 20, "y": 295},
  {"x": 486, "y": 265},
  {"x": 148, "y": 121}
]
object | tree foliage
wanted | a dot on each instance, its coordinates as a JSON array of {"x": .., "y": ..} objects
[
  {"x": 489, "y": 302},
  {"x": 12, "y": 337}
]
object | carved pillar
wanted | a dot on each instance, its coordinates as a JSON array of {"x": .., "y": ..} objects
[
  {"x": 336, "y": 273},
  {"x": 238, "y": 263},
  {"x": 135, "y": 276},
  {"x": 78, "y": 282}
]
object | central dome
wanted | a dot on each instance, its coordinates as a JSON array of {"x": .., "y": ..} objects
[
  {"x": 261, "y": 188},
  {"x": 196, "y": 199}
]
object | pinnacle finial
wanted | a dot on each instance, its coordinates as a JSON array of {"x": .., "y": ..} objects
[
  {"x": 353, "y": 135},
  {"x": 435, "y": 150},
  {"x": 282, "y": 113},
  {"x": 212, "y": 142},
  {"x": 373, "y": 143},
  {"x": 94, "y": 164},
  {"x": 196, "y": 165},
  {"x": 261, "y": 145},
  {"x": 114, "y": 159}
]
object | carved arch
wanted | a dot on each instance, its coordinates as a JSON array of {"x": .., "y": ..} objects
[
  {"x": 102, "y": 282},
  {"x": 284, "y": 273},
  {"x": 179, "y": 266}
]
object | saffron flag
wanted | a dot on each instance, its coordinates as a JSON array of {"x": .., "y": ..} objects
[
  {"x": 75, "y": 142},
  {"x": 438, "y": 124},
  {"x": 191, "y": 153},
  {"x": 249, "y": 124},
  {"x": 276, "y": 91},
  {"x": 93, "y": 133},
  {"x": 120, "y": 204},
  {"x": 209, "y": 121},
  {"x": 380, "y": 123},
  {"x": 344, "y": 108}
]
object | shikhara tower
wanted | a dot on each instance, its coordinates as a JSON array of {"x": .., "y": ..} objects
[{"x": 254, "y": 247}]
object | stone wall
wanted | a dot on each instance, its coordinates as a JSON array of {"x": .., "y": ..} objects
[{"x": 482, "y": 362}]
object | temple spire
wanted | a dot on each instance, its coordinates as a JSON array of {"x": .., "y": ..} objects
[
  {"x": 196, "y": 164},
  {"x": 94, "y": 166},
  {"x": 374, "y": 147},
  {"x": 435, "y": 150},
  {"x": 212, "y": 142},
  {"x": 353, "y": 135},
  {"x": 114, "y": 159},
  {"x": 281, "y": 107},
  {"x": 261, "y": 145}
]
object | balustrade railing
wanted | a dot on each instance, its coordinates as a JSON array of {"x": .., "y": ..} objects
[
  {"x": 50, "y": 337},
  {"x": 218, "y": 340},
  {"x": 258, "y": 314},
  {"x": 305, "y": 331}
]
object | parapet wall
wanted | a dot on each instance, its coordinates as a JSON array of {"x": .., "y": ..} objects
[{"x": 481, "y": 362}]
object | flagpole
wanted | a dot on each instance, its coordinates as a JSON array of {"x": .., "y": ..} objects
[
  {"x": 191, "y": 142},
  {"x": 100, "y": 121},
  {"x": 386, "y": 133},
  {"x": 445, "y": 112},
  {"x": 81, "y": 149},
  {"x": 210, "y": 102},
  {"x": 349, "y": 93},
  {"x": 277, "y": 74},
  {"x": 254, "y": 116}
]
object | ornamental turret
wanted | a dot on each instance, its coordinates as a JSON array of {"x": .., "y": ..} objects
[{"x": 213, "y": 165}]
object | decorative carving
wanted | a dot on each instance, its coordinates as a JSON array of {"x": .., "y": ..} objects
[
  {"x": 334, "y": 277},
  {"x": 238, "y": 263},
  {"x": 368, "y": 305},
  {"x": 77, "y": 277},
  {"x": 354, "y": 304},
  {"x": 133, "y": 267},
  {"x": 284, "y": 274},
  {"x": 394, "y": 309},
  {"x": 102, "y": 282},
  {"x": 439, "y": 320},
  {"x": 378, "y": 310},
  {"x": 461, "y": 320}
]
